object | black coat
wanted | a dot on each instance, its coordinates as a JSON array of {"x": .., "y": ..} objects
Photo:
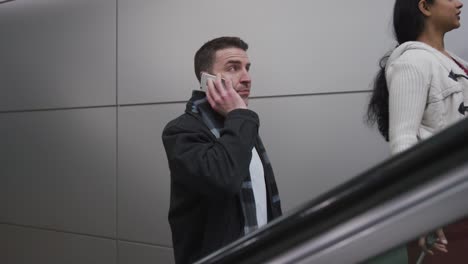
[{"x": 206, "y": 176}]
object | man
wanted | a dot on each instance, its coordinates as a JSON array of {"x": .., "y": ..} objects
[{"x": 222, "y": 184}]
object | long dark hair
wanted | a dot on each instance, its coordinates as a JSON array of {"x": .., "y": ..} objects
[{"x": 408, "y": 24}]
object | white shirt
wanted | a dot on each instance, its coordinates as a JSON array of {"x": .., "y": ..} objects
[{"x": 257, "y": 177}]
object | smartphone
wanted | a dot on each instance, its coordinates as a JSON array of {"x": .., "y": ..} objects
[{"x": 204, "y": 81}]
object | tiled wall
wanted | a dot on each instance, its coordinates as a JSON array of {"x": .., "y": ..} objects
[{"x": 86, "y": 88}]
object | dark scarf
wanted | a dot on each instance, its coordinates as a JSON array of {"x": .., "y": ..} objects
[{"x": 215, "y": 123}]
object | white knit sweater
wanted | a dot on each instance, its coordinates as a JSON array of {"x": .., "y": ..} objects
[{"x": 423, "y": 99}]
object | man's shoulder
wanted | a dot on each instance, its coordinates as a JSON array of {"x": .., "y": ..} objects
[{"x": 184, "y": 121}]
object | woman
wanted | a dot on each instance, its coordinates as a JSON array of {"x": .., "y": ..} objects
[{"x": 421, "y": 89}]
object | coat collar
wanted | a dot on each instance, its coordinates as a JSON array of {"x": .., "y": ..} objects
[{"x": 446, "y": 62}]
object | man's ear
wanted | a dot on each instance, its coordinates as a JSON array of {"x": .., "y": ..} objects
[{"x": 424, "y": 7}]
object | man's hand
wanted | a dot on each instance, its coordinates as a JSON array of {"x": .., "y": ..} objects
[
  {"x": 223, "y": 99},
  {"x": 440, "y": 243}
]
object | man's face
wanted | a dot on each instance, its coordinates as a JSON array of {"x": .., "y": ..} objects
[{"x": 234, "y": 64}]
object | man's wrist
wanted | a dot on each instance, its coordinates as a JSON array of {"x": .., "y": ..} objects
[{"x": 243, "y": 113}]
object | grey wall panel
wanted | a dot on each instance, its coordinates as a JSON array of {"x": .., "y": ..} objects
[
  {"x": 456, "y": 39},
  {"x": 295, "y": 47},
  {"x": 57, "y": 53},
  {"x": 26, "y": 245},
  {"x": 317, "y": 142},
  {"x": 130, "y": 253},
  {"x": 143, "y": 180},
  {"x": 58, "y": 170}
]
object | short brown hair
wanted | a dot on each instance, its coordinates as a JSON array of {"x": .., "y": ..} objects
[{"x": 204, "y": 57}]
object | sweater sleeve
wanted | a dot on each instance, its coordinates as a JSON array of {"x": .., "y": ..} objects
[
  {"x": 208, "y": 166},
  {"x": 408, "y": 88}
]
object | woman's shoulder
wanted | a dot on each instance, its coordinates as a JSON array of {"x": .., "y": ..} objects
[
  {"x": 417, "y": 57},
  {"x": 412, "y": 61},
  {"x": 414, "y": 53}
]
